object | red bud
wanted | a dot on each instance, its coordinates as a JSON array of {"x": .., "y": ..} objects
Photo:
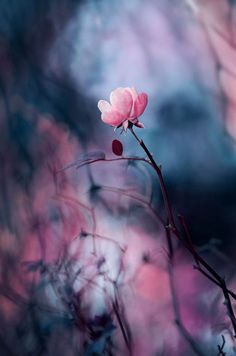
[{"x": 117, "y": 147}]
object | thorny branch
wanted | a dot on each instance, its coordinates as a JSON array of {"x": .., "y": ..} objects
[
  {"x": 171, "y": 226},
  {"x": 214, "y": 276}
]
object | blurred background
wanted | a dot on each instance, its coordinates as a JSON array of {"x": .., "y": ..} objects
[{"x": 66, "y": 234}]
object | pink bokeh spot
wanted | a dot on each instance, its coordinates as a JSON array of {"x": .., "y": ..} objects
[{"x": 125, "y": 106}]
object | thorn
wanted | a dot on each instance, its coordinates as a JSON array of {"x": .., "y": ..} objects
[{"x": 170, "y": 227}]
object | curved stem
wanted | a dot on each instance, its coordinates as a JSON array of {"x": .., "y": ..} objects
[
  {"x": 171, "y": 227},
  {"x": 161, "y": 180}
]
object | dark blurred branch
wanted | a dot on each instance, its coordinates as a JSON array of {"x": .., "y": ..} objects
[
  {"x": 121, "y": 318},
  {"x": 103, "y": 159},
  {"x": 137, "y": 198}
]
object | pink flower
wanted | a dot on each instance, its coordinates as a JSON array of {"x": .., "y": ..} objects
[{"x": 125, "y": 106}]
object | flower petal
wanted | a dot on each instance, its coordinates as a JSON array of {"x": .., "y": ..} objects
[
  {"x": 113, "y": 118},
  {"x": 133, "y": 92},
  {"x": 104, "y": 106},
  {"x": 121, "y": 101},
  {"x": 140, "y": 104}
]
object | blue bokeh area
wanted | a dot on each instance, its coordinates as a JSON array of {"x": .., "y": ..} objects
[{"x": 84, "y": 261}]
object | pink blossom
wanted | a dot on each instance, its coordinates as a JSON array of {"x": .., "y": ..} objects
[{"x": 125, "y": 106}]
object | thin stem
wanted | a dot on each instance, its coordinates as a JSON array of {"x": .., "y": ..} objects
[
  {"x": 161, "y": 180},
  {"x": 216, "y": 278},
  {"x": 229, "y": 305},
  {"x": 178, "y": 321}
]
